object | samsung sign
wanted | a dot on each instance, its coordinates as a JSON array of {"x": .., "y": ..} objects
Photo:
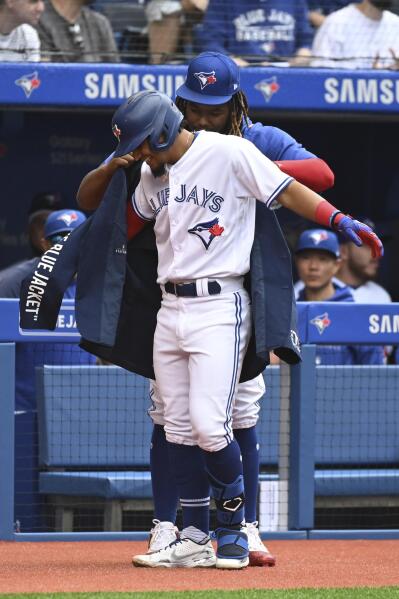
[{"x": 348, "y": 90}]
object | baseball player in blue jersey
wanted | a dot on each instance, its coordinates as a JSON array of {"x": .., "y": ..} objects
[
  {"x": 211, "y": 99},
  {"x": 200, "y": 192}
]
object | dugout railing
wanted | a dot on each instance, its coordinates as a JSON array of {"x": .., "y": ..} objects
[{"x": 353, "y": 463}]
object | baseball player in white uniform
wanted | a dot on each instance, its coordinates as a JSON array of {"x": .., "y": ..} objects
[{"x": 200, "y": 189}]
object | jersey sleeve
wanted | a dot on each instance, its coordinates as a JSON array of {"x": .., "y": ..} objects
[
  {"x": 257, "y": 176},
  {"x": 140, "y": 204}
]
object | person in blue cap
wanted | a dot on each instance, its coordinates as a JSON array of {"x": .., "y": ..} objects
[
  {"x": 317, "y": 258},
  {"x": 212, "y": 99},
  {"x": 28, "y": 356}
]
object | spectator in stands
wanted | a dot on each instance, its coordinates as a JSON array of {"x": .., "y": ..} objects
[
  {"x": 317, "y": 258},
  {"x": 364, "y": 35},
  {"x": 19, "y": 40},
  {"x": 72, "y": 32},
  {"x": 319, "y": 9},
  {"x": 255, "y": 31},
  {"x": 163, "y": 28}
]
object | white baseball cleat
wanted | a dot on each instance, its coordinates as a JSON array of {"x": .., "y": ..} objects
[
  {"x": 259, "y": 555},
  {"x": 182, "y": 553},
  {"x": 161, "y": 535}
]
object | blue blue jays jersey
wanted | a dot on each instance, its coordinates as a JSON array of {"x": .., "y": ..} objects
[
  {"x": 259, "y": 28},
  {"x": 275, "y": 143}
]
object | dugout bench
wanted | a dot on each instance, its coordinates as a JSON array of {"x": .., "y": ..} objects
[{"x": 94, "y": 437}]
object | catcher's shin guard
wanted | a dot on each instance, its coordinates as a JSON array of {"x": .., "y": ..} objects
[{"x": 229, "y": 499}]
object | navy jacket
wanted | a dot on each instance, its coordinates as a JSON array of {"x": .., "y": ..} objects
[{"x": 117, "y": 297}]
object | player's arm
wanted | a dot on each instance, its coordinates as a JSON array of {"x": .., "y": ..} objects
[
  {"x": 94, "y": 184},
  {"x": 310, "y": 205},
  {"x": 312, "y": 172}
]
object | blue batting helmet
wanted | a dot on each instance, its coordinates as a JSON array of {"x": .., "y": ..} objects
[{"x": 148, "y": 114}]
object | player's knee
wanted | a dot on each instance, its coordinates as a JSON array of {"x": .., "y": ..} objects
[{"x": 210, "y": 438}]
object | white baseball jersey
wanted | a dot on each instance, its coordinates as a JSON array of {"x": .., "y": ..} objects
[
  {"x": 204, "y": 207},
  {"x": 349, "y": 34}
]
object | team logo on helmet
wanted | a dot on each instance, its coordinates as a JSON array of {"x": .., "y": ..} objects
[
  {"x": 206, "y": 79},
  {"x": 268, "y": 87},
  {"x": 68, "y": 218},
  {"x": 318, "y": 236},
  {"x": 207, "y": 231},
  {"x": 28, "y": 83},
  {"x": 321, "y": 322},
  {"x": 116, "y": 131}
]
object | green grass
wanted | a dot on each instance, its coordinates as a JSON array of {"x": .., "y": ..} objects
[{"x": 355, "y": 593}]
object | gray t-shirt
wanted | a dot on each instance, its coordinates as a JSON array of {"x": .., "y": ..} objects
[{"x": 89, "y": 39}]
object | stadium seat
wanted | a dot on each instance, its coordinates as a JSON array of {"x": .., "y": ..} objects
[{"x": 94, "y": 439}]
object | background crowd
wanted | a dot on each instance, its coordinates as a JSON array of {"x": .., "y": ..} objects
[{"x": 315, "y": 33}]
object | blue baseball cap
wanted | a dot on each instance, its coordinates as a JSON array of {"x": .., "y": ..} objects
[
  {"x": 318, "y": 239},
  {"x": 212, "y": 78},
  {"x": 62, "y": 221}
]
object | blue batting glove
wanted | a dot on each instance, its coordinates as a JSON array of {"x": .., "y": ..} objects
[{"x": 359, "y": 234}]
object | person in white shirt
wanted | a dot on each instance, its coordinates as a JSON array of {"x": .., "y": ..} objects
[
  {"x": 364, "y": 35},
  {"x": 19, "y": 40}
]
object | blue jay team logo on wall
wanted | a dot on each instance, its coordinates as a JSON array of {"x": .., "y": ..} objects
[
  {"x": 268, "y": 87},
  {"x": 29, "y": 83},
  {"x": 206, "y": 79},
  {"x": 207, "y": 231},
  {"x": 321, "y": 322}
]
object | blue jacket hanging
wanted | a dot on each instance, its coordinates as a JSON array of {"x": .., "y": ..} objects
[{"x": 117, "y": 297}]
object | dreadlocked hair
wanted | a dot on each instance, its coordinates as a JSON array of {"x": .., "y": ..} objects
[{"x": 238, "y": 113}]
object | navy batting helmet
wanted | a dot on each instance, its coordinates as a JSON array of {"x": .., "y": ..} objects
[{"x": 148, "y": 114}]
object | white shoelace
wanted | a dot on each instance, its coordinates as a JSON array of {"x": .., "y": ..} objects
[
  {"x": 162, "y": 534},
  {"x": 254, "y": 540}
]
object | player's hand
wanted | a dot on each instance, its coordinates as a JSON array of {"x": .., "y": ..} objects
[
  {"x": 360, "y": 234},
  {"x": 124, "y": 161}
]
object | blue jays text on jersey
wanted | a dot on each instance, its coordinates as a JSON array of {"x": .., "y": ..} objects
[{"x": 199, "y": 196}]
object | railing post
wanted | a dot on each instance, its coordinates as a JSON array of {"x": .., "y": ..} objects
[
  {"x": 302, "y": 441},
  {"x": 7, "y": 401}
]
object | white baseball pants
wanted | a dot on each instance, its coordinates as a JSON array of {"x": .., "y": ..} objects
[
  {"x": 246, "y": 406},
  {"x": 199, "y": 346}
]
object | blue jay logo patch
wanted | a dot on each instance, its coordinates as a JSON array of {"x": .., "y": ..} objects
[
  {"x": 321, "y": 322},
  {"x": 268, "y": 87},
  {"x": 206, "y": 79},
  {"x": 207, "y": 231},
  {"x": 29, "y": 83}
]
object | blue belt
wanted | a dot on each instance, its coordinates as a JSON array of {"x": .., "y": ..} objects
[{"x": 190, "y": 289}]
